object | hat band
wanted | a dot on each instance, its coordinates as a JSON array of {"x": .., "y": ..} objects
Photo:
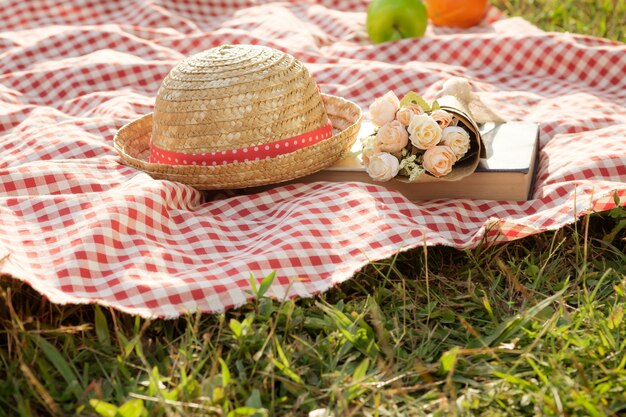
[{"x": 250, "y": 153}]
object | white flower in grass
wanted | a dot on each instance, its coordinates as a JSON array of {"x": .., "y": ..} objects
[
  {"x": 321, "y": 412},
  {"x": 424, "y": 132},
  {"x": 383, "y": 167},
  {"x": 457, "y": 139}
]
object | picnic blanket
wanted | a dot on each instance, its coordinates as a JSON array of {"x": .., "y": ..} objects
[{"x": 80, "y": 227}]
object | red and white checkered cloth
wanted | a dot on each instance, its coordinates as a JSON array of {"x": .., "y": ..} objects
[{"x": 80, "y": 227}]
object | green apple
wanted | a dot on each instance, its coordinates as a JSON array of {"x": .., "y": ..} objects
[{"x": 389, "y": 20}]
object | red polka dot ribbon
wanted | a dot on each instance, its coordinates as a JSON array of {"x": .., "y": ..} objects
[{"x": 250, "y": 153}]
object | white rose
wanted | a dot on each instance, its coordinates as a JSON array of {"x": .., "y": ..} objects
[
  {"x": 384, "y": 108},
  {"x": 383, "y": 167},
  {"x": 439, "y": 160},
  {"x": 457, "y": 139},
  {"x": 393, "y": 137},
  {"x": 424, "y": 132}
]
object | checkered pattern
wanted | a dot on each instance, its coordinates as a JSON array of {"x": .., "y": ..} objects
[{"x": 80, "y": 227}]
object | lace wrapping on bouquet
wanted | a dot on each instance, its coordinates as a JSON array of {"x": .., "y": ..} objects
[{"x": 460, "y": 89}]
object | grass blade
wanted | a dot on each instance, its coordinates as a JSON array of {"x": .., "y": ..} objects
[
  {"x": 102, "y": 328},
  {"x": 265, "y": 284},
  {"x": 103, "y": 408},
  {"x": 131, "y": 408},
  {"x": 509, "y": 328},
  {"x": 57, "y": 360}
]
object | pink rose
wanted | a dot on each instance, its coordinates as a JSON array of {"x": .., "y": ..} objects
[
  {"x": 424, "y": 132},
  {"x": 442, "y": 117},
  {"x": 392, "y": 137},
  {"x": 384, "y": 108},
  {"x": 457, "y": 139},
  {"x": 406, "y": 112},
  {"x": 439, "y": 160}
]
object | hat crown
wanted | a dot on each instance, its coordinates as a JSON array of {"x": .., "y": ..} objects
[{"x": 235, "y": 96}]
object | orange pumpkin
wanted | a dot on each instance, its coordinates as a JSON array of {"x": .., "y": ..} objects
[{"x": 456, "y": 13}]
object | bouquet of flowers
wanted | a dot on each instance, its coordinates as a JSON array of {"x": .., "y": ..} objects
[{"x": 415, "y": 140}]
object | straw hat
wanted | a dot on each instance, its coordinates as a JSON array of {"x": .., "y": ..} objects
[{"x": 239, "y": 116}]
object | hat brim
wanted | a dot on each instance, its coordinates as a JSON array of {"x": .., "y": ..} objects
[{"x": 132, "y": 142}]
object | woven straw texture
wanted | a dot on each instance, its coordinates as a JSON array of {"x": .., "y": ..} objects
[
  {"x": 232, "y": 97},
  {"x": 133, "y": 143},
  {"x": 82, "y": 227}
]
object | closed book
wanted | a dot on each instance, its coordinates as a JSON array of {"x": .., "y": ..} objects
[{"x": 505, "y": 172}]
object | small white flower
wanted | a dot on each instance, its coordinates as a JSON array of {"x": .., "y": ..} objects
[
  {"x": 509, "y": 346},
  {"x": 371, "y": 147},
  {"x": 383, "y": 167},
  {"x": 404, "y": 162},
  {"x": 321, "y": 412},
  {"x": 416, "y": 171}
]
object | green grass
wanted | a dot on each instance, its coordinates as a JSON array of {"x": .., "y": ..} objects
[
  {"x": 604, "y": 18},
  {"x": 532, "y": 327}
]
